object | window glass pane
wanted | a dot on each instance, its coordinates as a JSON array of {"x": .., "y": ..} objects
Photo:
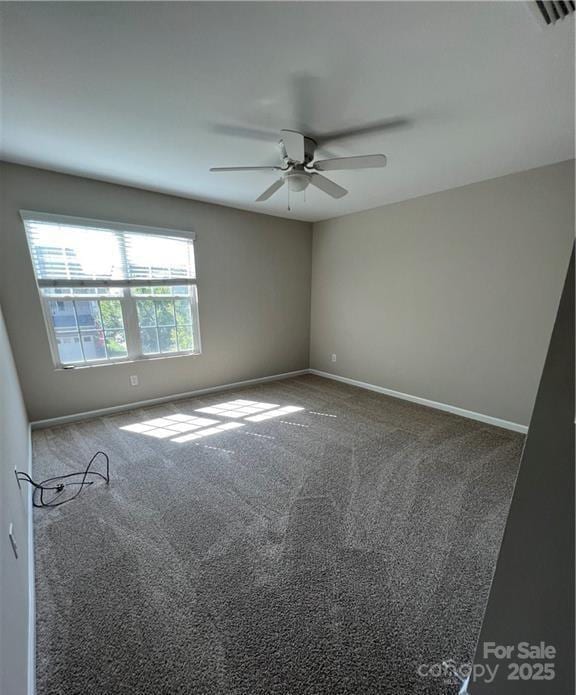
[
  {"x": 183, "y": 313},
  {"x": 167, "y": 338},
  {"x": 93, "y": 345},
  {"x": 185, "y": 338},
  {"x": 69, "y": 349},
  {"x": 68, "y": 251},
  {"x": 155, "y": 256},
  {"x": 149, "y": 339},
  {"x": 165, "y": 313},
  {"x": 111, "y": 313},
  {"x": 98, "y": 291},
  {"x": 88, "y": 314},
  {"x": 116, "y": 344},
  {"x": 82, "y": 291},
  {"x": 168, "y": 291},
  {"x": 146, "y": 312},
  {"x": 63, "y": 314}
]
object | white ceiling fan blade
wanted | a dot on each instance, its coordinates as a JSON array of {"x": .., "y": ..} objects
[
  {"x": 246, "y": 169},
  {"x": 369, "y": 161},
  {"x": 327, "y": 186},
  {"x": 270, "y": 190},
  {"x": 294, "y": 145}
]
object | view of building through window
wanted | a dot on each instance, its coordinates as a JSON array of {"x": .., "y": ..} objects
[{"x": 88, "y": 329}]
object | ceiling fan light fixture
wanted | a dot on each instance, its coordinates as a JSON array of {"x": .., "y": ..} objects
[{"x": 297, "y": 180}]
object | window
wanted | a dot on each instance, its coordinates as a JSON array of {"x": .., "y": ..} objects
[{"x": 113, "y": 292}]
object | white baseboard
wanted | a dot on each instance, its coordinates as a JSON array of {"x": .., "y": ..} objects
[
  {"x": 488, "y": 419},
  {"x": 462, "y": 412},
  {"x": 31, "y": 685},
  {"x": 51, "y": 422}
]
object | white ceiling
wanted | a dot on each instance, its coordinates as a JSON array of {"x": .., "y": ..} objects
[{"x": 153, "y": 94}]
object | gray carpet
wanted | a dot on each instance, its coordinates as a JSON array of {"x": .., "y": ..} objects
[{"x": 326, "y": 550}]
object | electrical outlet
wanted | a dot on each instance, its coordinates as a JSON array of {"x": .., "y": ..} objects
[
  {"x": 12, "y": 540},
  {"x": 134, "y": 380},
  {"x": 333, "y": 357}
]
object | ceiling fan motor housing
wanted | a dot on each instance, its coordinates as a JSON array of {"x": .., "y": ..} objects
[{"x": 310, "y": 146}]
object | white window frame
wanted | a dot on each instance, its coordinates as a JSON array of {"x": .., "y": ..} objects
[{"x": 127, "y": 300}]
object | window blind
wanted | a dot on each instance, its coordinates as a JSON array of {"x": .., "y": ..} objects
[{"x": 69, "y": 252}]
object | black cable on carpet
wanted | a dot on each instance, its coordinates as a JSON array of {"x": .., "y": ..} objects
[{"x": 52, "y": 484}]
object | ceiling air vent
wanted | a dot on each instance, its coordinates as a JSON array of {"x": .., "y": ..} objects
[{"x": 553, "y": 11}]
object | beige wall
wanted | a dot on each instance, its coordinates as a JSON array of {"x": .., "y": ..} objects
[
  {"x": 253, "y": 286},
  {"x": 450, "y": 297},
  {"x": 14, "y": 573}
]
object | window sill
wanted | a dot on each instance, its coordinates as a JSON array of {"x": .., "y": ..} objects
[{"x": 154, "y": 358}]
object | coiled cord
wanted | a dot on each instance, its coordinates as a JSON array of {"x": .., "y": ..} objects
[{"x": 59, "y": 487}]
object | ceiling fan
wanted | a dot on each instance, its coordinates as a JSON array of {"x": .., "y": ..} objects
[{"x": 299, "y": 170}]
